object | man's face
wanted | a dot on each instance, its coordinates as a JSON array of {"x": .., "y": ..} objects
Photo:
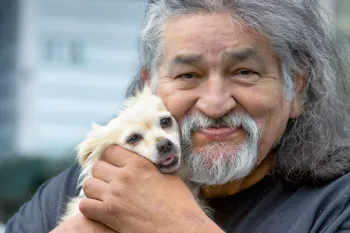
[{"x": 223, "y": 84}]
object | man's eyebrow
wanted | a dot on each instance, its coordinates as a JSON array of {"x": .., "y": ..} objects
[
  {"x": 243, "y": 55},
  {"x": 228, "y": 57},
  {"x": 187, "y": 59}
]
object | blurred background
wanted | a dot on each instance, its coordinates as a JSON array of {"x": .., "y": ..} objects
[{"x": 63, "y": 65}]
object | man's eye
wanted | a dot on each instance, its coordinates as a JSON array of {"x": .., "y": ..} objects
[
  {"x": 246, "y": 72},
  {"x": 187, "y": 76},
  {"x": 166, "y": 122},
  {"x": 134, "y": 138}
]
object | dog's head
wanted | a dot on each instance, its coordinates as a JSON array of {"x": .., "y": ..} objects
[{"x": 145, "y": 127}]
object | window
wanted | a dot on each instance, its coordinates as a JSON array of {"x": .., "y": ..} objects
[
  {"x": 64, "y": 51},
  {"x": 76, "y": 52}
]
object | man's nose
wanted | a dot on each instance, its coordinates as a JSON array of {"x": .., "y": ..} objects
[{"x": 216, "y": 99}]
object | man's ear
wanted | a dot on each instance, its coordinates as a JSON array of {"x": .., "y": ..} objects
[
  {"x": 86, "y": 147},
  {"x": 299, "y": 96},
  {"x": 145, "y": 75}
]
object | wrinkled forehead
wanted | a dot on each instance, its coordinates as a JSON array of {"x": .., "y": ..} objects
[{"x": 212, "y": 36}]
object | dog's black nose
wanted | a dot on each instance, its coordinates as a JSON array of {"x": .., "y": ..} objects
[{"x": 164, "y": 146}]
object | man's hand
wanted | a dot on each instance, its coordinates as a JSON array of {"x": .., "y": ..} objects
[
  {"x": 128, "y": 194},
  {"x": 80, "y": 224}
]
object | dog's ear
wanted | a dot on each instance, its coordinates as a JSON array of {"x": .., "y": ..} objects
[{"x": 86, "y": 147}]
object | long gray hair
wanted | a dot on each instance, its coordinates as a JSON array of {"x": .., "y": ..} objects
[{"x": 315, "y": 148}]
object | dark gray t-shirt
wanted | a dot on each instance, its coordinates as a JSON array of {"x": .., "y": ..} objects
[{"x": 266, "y": 207}]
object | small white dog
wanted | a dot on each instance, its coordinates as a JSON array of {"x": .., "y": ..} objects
[{"x": 145, "y": 127}]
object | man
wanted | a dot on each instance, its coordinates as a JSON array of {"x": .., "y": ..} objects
[{"x": 273, "y": 68}]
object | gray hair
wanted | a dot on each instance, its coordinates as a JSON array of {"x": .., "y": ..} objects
[{"x": 315, "y": 146}]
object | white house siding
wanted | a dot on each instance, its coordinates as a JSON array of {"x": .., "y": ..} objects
[{"x": 79, "y": 58}]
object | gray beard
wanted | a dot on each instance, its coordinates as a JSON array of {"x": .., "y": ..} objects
[{"x": 220, "y": 162}]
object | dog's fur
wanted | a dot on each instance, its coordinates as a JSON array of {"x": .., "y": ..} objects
[{"x": 141, "y": 128}]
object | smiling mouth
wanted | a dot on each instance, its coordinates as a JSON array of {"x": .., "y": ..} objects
[
  {"x": 219, "y": 133},
  {"x": 168, "y": 165}
]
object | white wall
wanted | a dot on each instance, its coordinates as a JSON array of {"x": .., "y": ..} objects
[
  {"x": 2, "y": 228},
  {"x": 77, "y": 57},
  {"x": 26, "y": 72}
]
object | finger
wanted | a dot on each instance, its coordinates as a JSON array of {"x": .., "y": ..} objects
[
  {"x": 99, "y": 227},
  {"x": 83, "y": 224},
  {"x": 95, "y": 210},
  {"x": 104, "y": 171},
  {"x": 95, "y": 188},
  {"x": 119, "y": 156},
  {"x": 91, "y": 208}
]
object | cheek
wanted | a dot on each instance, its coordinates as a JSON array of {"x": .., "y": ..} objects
[
  {"x": 129, "y": 147},
  {"x": 273, "y": 131},
  {"x": 174, "y": 136},
  {"x": 143, "y": 150},
  {"x": 178, "y": 102},
  {"x": 270, "y": 110},
  {"x": 261, "y": 102}
]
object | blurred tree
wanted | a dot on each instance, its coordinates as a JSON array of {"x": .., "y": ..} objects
[{"x": 21, "y": 176}]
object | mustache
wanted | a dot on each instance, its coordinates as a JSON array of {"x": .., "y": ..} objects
[{"x": 195, "y": 121}]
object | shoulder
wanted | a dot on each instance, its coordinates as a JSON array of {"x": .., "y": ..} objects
[
  {"x": 275, "y": 207},
  {"x": 41, "y": 213},
  {"x": 321, "y": 209},
  {"x": 336, "y": 190},
  {"x": 327, "y": 207}
]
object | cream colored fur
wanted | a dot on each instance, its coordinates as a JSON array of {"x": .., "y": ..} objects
[{"x": 141, "y": 114}]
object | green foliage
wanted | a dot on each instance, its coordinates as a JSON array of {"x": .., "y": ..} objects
[{"x": 21, "y": 176}]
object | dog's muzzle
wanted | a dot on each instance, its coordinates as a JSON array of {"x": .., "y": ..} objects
[{"x": 168, "y": 157}]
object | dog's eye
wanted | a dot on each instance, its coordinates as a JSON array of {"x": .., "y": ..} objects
[
  {"x": 134, "y": 138},
  {"x": 166, "y": 122}
]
